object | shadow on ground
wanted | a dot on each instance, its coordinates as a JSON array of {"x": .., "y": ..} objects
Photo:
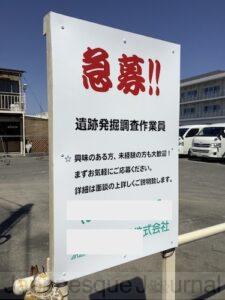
[
  {"x": 132, "y": 289},
  {"x": 12, "y": 220},
  {"x": 211, "y": 293},
  {"x": 7, "y": 294}
]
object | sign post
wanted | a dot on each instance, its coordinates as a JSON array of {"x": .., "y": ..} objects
[{"x": 113, "y": 133}]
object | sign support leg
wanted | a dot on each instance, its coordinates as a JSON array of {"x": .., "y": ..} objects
[
  {"x": 168, "y": 274},
  {"x": 63, "y": 287}
]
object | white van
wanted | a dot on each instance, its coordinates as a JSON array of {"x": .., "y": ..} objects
[
  {"x": 210, "y": 142},
  {"x": 186, "y": 135}
]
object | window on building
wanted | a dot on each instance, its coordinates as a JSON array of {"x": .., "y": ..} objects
[
  {"x": 191, "y": 94},
  {"x": 10, "y": 129},
  {"x": 9, "y": 86},
  {"x": 188, "y": 95},
  {"x": 14, "y": 86},
  {"x": 189, "y": 110},
  {"x": 216, "y": 89},
  {"x": 206, "y": 108},
  {"x": 212, "y": 91},
  {"x": 5, "y": 85},
  {"x": 216, "y": 107},
  {"x": 192, "y": 132}
]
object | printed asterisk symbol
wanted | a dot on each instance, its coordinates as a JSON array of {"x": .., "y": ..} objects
[{"x": 68, "y": 158}]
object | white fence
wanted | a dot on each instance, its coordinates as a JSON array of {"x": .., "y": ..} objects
[
  {"x": 168, "y": 267},
  {"x": 11, "y": 102}
]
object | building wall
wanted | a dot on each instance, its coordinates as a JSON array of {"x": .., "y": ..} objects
[
  {"x": 11, "y": 111},
  {"x": 11, "y": 132},
  {"x": 36, "y": 131},
  {"x": 203, "y": 103}
]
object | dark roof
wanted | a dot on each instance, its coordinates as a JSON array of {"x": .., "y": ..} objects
[
  {"x": 11, "y": 71},
  {"x": 202, "y": 75}
]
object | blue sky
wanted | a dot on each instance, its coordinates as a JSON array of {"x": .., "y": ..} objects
[{"x": 198, "y": 25}]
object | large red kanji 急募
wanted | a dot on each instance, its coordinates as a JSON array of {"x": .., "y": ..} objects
[{"x": 96, "y": 70}]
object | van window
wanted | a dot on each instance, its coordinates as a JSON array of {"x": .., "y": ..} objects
[
  {"x": 182, "y": 131},
  {"x": 211, "y": 131},
  {"x": 192, "y": 132}
]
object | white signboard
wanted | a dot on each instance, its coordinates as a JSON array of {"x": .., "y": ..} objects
[{"x": 113, "y": 135}]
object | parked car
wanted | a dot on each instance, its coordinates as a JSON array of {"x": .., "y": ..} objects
[
  {"x": 210, "y": 142},
  {"x": 186, "y": 135}
]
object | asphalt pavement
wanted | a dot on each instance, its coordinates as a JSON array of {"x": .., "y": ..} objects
[{"x": 24, "y": 236}]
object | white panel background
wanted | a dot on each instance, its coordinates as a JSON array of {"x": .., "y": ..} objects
[{"x": 67, "y": 40}]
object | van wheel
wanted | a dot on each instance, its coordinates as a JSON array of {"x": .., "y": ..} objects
[
  {"x": 223, "y": 159},
  {"x": 189, "y": 154}
]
